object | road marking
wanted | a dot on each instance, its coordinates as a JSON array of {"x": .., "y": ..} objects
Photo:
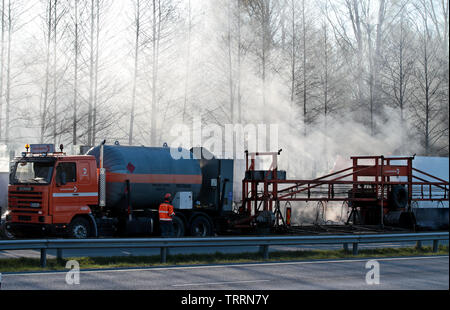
[
  {"x": 219, "y": 283},
  {"x": 230, "y": 266}
]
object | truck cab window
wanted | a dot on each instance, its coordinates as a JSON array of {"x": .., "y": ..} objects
[
  {"x": 66, "y": 173},
  {"x": 32, "y": 172}
]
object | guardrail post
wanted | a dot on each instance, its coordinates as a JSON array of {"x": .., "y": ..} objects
[
  {"x": 355, "y": 248},
  {"x": 346, "y": 247},
  {"x": 435, "y": 246},
  {"x": 419, "y": 245},
  {"x": 59, "y": 257},
  {"x": 163, "y": 255},
  {"x": 264, "y": 250},
  {"x": 43, "y": 258}
]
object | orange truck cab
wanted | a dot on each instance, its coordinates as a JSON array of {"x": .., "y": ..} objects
[{"x": 50, "y": 192}]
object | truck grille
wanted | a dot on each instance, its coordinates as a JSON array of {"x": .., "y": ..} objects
[{"x": 25, "y": 200}]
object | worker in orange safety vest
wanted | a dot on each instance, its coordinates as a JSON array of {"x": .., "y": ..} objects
[{"x": 166, "y": 215}]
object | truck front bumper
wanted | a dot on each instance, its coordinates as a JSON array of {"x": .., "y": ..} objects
[{"x": 33, "y": 229}]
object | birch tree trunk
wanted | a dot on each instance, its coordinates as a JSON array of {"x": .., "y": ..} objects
[
  {"x": 44, "y": 106},
  {"x": 239, "y": 61},
  {"x": 304, "y": 68},
  {"x": 8, "y": 75},
  {"x": 230, "y": 66},
  {"x": 55, "y": 86},
  {"x": 188, "y": 59},
  {"x": 94, "y": 123},
  {"x": 136, "y": 60},
  {"x": 154, "y": 77},
  {"x": 91, "y": 75},
  {"x": 2, "y": 66},
  {"x": 75, "y": 84}
]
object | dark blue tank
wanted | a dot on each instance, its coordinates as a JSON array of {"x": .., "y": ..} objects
[{"x": 151, "y": 171}]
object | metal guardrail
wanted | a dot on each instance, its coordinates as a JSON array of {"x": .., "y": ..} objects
[{"x": 263, "y": 242}]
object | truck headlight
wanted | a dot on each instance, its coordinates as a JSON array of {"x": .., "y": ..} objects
[{"x": 5, "y": 215}]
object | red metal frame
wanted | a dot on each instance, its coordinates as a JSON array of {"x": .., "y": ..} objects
[{"x": 375, "y": 177}]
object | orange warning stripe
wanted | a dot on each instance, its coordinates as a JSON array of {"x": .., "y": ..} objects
[{"x": 113, "y": 177}]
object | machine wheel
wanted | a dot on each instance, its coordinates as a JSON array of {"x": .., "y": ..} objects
[
  {"x": 178, "y": 227},
  {"x": 79, "y": 228},
  {"x": 201, "y": 227}
]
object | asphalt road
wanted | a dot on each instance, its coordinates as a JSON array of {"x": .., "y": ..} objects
[
  {"x": 200, "y": 250},
  {"x": 406, "y": 273}
]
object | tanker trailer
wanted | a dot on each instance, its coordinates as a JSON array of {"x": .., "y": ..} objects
[{"x": 137, "y": 178}]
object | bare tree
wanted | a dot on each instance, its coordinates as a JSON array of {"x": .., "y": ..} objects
[
  {"x": 8, "y": 73},
  {"x": 230, "y": 61},
  {"x": 137, "y": 23},
  {"x": 91, "y": 72},
  {"x": 2, "y": 65},
  {"x": 427, "y": 104},
  {"x": 152, "y": 30},
  {"x": 374, "y": 47},
  {"x": 75, "y": 82},
  {"x": 439, "y": 14},
  {"x": 44, "y": 103},
  {"x": 97, "y": 46},
  {"x": 156, "y": 33},
  {"x": 188, "y": 60},
  {"x": 55, "y": 88},
  {"x": 398, "y": 69},
  {"x": 266, "y": 17}
]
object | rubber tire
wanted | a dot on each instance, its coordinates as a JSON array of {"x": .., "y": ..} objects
[
  {"x": 399, "y": 197},
  {"x": 179, "y": 228},
  {"x": 5, "y": 233},
  {"x": 77, "y": 222},
  {"x": 201, "y": 227}
]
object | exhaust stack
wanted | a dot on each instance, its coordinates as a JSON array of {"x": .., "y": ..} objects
[{"x": 102, "y": 178}]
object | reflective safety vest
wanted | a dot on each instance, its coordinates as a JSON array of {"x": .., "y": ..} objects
[{"x": 166, "y": 212}]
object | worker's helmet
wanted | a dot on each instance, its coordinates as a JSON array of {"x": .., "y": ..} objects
[{"x": 167, "y": 196}]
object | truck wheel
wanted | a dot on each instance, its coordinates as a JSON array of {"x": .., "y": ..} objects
[
  {"x": 178, "y": 227},
  {"x": 5, "y": 233},
  {"x": 201, "y": 227},
  {"x": 79, "y": 228}
]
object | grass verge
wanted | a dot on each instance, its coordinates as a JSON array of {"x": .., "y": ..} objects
[{"x": 32, "y": 264}]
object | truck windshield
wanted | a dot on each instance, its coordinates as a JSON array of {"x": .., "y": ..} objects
[{"x": 32, "y": 172}]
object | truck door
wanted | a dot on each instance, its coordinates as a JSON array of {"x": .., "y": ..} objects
[
  {"x": 87, "y": 183},
  {"x": 65, "y": 194}
]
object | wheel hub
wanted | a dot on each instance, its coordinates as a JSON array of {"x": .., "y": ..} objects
[
  {"x": 80, "y": 231},
  {"x": 200, "y": 230}
]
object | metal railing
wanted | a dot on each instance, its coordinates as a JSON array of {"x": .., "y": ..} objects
[{"x": 263, "y": 242}]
